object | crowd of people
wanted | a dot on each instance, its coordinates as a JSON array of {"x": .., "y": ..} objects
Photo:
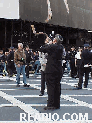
[
  {"x": 7, "y": 65},
  {"x": 54, "y": 59}
]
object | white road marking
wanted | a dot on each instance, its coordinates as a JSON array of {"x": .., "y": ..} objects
[
  {"x": 66, "y": 97},
  {"x": 27, "y": 107},
  {"x": 8, "y": 89},
  {"x": 29, "y": 96},
  {"x": 74, "y": 80},
  {"x": 81, "y": 103},
  {"x": 20, "y": 104},
  {"x": 31, "y": 105},
  {"x": 38, "y": 77},
  {"x": 14, "y": 79},
  {"x": 71, "y": 84},
  {"x": 20, "y": 84},
  {"x": 35, "y": 80},
  {"x": 81, "y": 95},
  {"x": 66, "y": 77}
]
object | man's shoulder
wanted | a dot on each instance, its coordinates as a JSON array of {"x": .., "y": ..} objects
[{"x": 86, "y": 50}]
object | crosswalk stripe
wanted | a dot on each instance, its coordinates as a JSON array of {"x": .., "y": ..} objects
[
  {"x": 28, "y": 107},
  {"x": 20, "y": 84},
  {"x": 21, "y": 105},
  {"x": 81, "y": 103},
  {"x": 30, "y": 96},
  {"x": 47, "y": 95},
  {"x": 80, "y": 95},
  {"x": 31, "y": 105},
  {"x": 66, "y": 97}
]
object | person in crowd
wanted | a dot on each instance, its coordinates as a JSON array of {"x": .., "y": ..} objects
[
  {"x": 35, "y": 56},
  {"x": 5, "y": 71},
  {"x": 91, "y": 66},
  {"x": 78, "y": 60},
  {"x": 10, "y": 62},
  {"x": 2, "y": 59},
  {"x": 20, "y": 60},
  {"x": 64, "y": 60},
  {"x": 84, "y": 67},
  {"x": 43, "y": 61},
  {"x": 53, "y": 72},
  {"x": 36, "y": 64},
  {"x": 68, "y": 61},
  {"x": 28, "y": 59},
  {"x": 72, "y": 61}
]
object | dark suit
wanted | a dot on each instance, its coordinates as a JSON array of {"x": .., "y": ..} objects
[
  {"x": 28, "y": 59},
  {"x": 2, "y": 59},
  {"x": 11, "y": 66},
  {"x": 72, "y": 63},
  {"x": 86, "y": 56},
  {"x": 53, "y": 73}
]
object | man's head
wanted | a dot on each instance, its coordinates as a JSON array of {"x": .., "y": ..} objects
[
  {"x": 1, "y": 51},
  {"x": 20, "y": 46},
  {"x": 58, "y": 39},
  {"x": 86, "y": 46},
  {"x": 73, "y": 48},
  {"x": 79, "y": 49},
  {"x": 27, "y": 47},
  {"x": 11, "y": 49}
]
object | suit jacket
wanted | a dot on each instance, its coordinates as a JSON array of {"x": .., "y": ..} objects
[
  {"x": 54, "y": 64},
  {"x": 85, "y": 59},
  {"x": 28, "y": 56},
  {"x": 10, "y": 56},
  {"x": 86, "y": 56}
]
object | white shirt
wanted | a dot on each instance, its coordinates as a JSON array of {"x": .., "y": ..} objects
[
  {"x": 78, "y": 55},
  {"x": 42, "y": 60}
]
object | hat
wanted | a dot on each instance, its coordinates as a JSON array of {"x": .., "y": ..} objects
[
  {"x": 11, "y": 48},
  {"x": 86, "y": 45},
  {"x": 59, "y": 37}
]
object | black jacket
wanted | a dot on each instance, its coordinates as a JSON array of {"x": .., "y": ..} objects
[
  {"x": 10, "y": 57},
  {"x": 85, "y": 59},
  {"x": 86, "y": 56},
  {"x": 2, "y": 57},
  {"x": 54, "y": 64},
  {"x": 72, "y": 54},
  {"x": 28, "y": 56}
]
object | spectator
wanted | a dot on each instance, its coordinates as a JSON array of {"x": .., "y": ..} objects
[
  {"x": 20, "y": 60},
  {"x": 28, "y": 59},
  {"x": 10, "y": 62}
]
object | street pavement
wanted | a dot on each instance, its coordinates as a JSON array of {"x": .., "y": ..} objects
[{"x": 23, "y": 104}]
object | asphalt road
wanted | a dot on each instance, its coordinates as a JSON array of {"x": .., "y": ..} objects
[{"x": 23, "y": 104}]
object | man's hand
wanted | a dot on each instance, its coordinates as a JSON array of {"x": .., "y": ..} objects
[{"x": 41, "y": 33}]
